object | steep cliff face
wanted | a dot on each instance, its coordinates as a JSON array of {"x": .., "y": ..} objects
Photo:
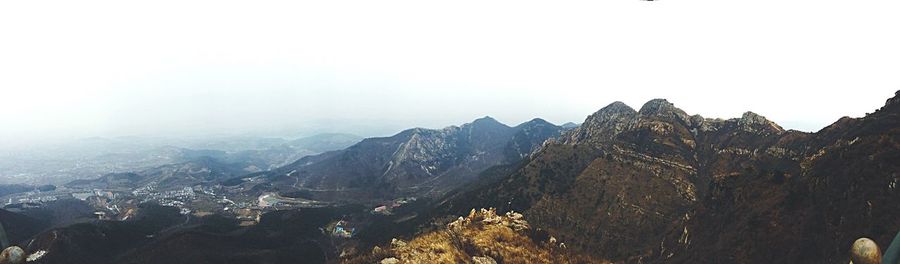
[
  {"x": 660, "y": 185},
  {"x": 416, "y": 161},
  {"x": 802, "y": 199}
]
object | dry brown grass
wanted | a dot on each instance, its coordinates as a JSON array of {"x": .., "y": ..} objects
[{"x": 482, "y": 233}]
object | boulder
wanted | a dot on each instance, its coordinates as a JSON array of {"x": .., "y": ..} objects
[
  {"x": 483, "y": 260},
  {"x": 12, "y": 255},
  {"x": 390, "y": 261},
  {"x": 865, "y": 251}
]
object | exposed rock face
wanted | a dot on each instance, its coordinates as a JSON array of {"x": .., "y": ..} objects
[
  {"x": 658, "y": 185},
  {"x": 417, "y": 161},
  {"x": 751, "y": 122},
  {"x": 603, "y": 125},
  {"x": 664, "y": 109}
]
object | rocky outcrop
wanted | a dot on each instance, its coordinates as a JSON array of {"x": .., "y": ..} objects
[
  {"x": 603, "y": 125},
  {"x": 391, "y": 260},
  {"x": 893, "y": 101},
  {"x": 663, "y": 109},
  {"x": 483, "y": 260},
  {"x": 482, "y": 236},
  {"x": 751, "y": 122}
]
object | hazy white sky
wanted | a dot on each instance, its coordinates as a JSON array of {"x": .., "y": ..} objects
[{"x": 86, "y": 68}]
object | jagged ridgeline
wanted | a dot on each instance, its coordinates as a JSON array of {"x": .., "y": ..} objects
[
  {"x": 420, "y": 162},
  {"x": 660, "y": 186}
]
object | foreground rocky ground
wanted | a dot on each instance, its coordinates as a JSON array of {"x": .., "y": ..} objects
[{"x": 481, "y": 237}]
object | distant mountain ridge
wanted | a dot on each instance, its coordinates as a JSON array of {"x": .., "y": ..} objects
[
  {"x": 416, "y": 161},
  {"x": 93, "y": 157},
  {"x": 208, "y": 166},
  {"x": 171, "y": 176}
]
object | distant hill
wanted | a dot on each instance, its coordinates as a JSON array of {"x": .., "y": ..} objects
[
  {"x": 203, "y": 166},
  {"x": 325, "y": 142},
  {"x": 569, "y": 125},
  {"x": 62, "y": 212},
  {"x": 289, "y": 151},
  {"x": 280, "y": 237},
  {"x": 102, "y": 241},
  {"x": 18, "y": 228},
  {"x": 93, "y": 157},
  {"x": 172, "y": 176}
]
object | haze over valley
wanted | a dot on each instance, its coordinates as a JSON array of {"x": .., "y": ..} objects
[{"x": 407, "y": 132}]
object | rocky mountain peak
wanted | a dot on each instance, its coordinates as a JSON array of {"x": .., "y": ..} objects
[
  {"x": 486, "y": 120},
  {"x": 616, "y": 107},
  {"x": 655, "y": 105},
  {"x": 614, "y": 111},
  {"x": 893, "y": 101},
  {"x": 535, "y": 122},
  {"x": 751, "y": 121},
  {"x": 531, "y": 135},
  {"x": 486, "y": 124},
  {"x": 662, "y": 108},
  {"x": 487, "y": 127},
  {"x": 569, "y": 125},
  {"x": 604, "y": 124},
  {"x": 752, "y": 118}
]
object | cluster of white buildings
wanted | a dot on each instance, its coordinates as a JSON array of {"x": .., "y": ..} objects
[
  {"x": 32, "y": 199},
  {"x": 387, "y": 209},
  {"x": 184, "y": 194},
  {"x": 96, "y": 192}
]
